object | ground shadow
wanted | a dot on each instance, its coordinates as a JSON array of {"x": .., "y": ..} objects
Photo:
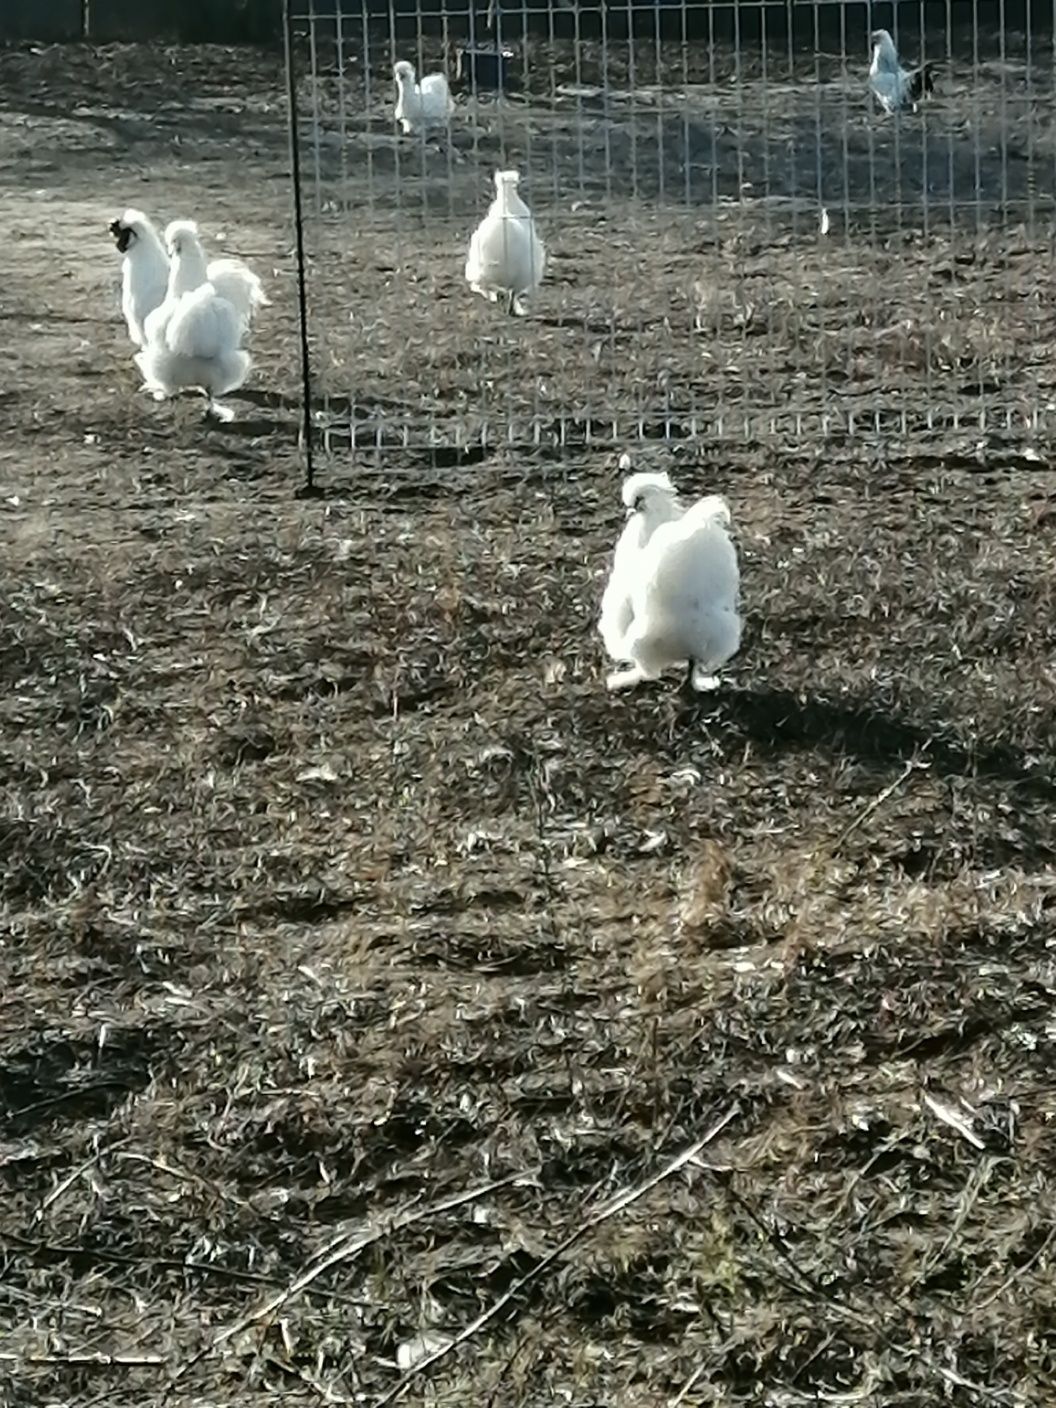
[{"x": 781, "y": 718}]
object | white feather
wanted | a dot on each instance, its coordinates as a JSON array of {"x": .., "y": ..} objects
[
  {"x": 237, "y": 283},
  {"x": 144, "y": 270},
  {"x": 188, "y": 268},
  {"x": 675, "y": 581},
  {"x": 650, "y": 500},
  {"x": 506, "y": 258},
  {"x": 420, "y": 106},
  {"x": 232, "y": 280},
  {"x": 193, "y": 339},
  {"x": 888, "y": 80},
  {"x": 145, "y": 274},
  {"x": 203, "y": 325}
]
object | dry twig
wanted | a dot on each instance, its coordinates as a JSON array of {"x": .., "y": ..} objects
[
  {"x": 877, "y": 802},
  {"x": 609, "y": 1210},
  {"x": 85, "y": 1359},
  {"x": 346, "y": 1246}
]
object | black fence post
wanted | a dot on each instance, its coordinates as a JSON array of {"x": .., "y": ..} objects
[{"x": 309, "y": 486}]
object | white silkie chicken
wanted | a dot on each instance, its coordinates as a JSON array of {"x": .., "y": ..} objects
[
  {"x": 420, "y": 106},
  {"x": 641, "y": 492},
  {"x": 506, "y": 259},
  {"x": 193, "y": 340},
  {"x": 671, "y": 597},
  {"x": 894, "y": 87},
  {"x": 145, "y": 275}
]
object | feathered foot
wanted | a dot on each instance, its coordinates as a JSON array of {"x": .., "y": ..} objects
[
  {"x": 215, "y": 411},
  {"x": 149, "y": 384},
  {"x": 701, "y": 682},
  {"x": 697, "y": 682},
  {"x": 624, "y": 679}
]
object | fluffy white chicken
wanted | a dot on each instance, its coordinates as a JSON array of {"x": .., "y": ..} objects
[
  {"x": 671, "y": 598},
  {"x": 420, "y": 106},
  {"x": 193, "y": 340},
  {"x": 145, "y": 275},
  {"x": 650, "y": 499},
  {"x": 894, "y": 87},
  {"x": 506, "y": 259}
]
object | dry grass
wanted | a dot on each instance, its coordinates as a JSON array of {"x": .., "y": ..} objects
[{"x": 360, "y": 952}]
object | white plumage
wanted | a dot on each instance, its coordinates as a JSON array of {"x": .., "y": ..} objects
[
  {"x": 650, "y": 500},
  {"x": 144, "y": 269},
  {"x": 671, "y": 598},
  {"x": 193, "y": 339},
  {"x": 893, "y": 86},
  {"x": 420, "y": 106},
  {"x": 145, "y": 275},
  {"x": 506, "y": 259}
]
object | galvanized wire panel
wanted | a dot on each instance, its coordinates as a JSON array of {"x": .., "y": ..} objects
[{"x": 740, "y": 243}]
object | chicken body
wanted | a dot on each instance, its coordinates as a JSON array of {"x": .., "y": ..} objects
[
  {"x": 424, "y": 105},
  {"x": 145, "y": 275},
  {"x": 650, "y": 500},
  {"x": 193, "y": 340},
  {"x": 894, "y": 87},
  {"x": 506, "y": 258},
  {"x": 672, "y": 596}
]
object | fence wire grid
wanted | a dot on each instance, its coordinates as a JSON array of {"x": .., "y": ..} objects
[{"x": 741, "y": 244}]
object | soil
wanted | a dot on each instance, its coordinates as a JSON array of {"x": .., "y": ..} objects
[{"x": 370, "y": 976}]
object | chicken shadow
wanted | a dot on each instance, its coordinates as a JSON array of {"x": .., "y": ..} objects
[
  {"x": 780, "y": 718},
  {"x": 272, "y": 400},
  {"x": 576, "y": 323},
  {"x": 336, "y": 404},
  {"x": 250, "y": 427}
]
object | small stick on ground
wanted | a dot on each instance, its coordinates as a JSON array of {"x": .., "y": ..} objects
[
  {"x": 348, "y": 1245},
  {"x": 341, "y": 1248},
  {"x": 609, "y": 1210},
  {"x": 87, "y": 1359},
  {"x": 688, "y": 1386},
  {"x": 878, "y": 801}
]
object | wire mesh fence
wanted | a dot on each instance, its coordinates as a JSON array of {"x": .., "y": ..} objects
[{"x": 742, "y": 243}]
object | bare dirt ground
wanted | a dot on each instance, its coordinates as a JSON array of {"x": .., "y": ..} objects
[{"x": 364, "y": 965}]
